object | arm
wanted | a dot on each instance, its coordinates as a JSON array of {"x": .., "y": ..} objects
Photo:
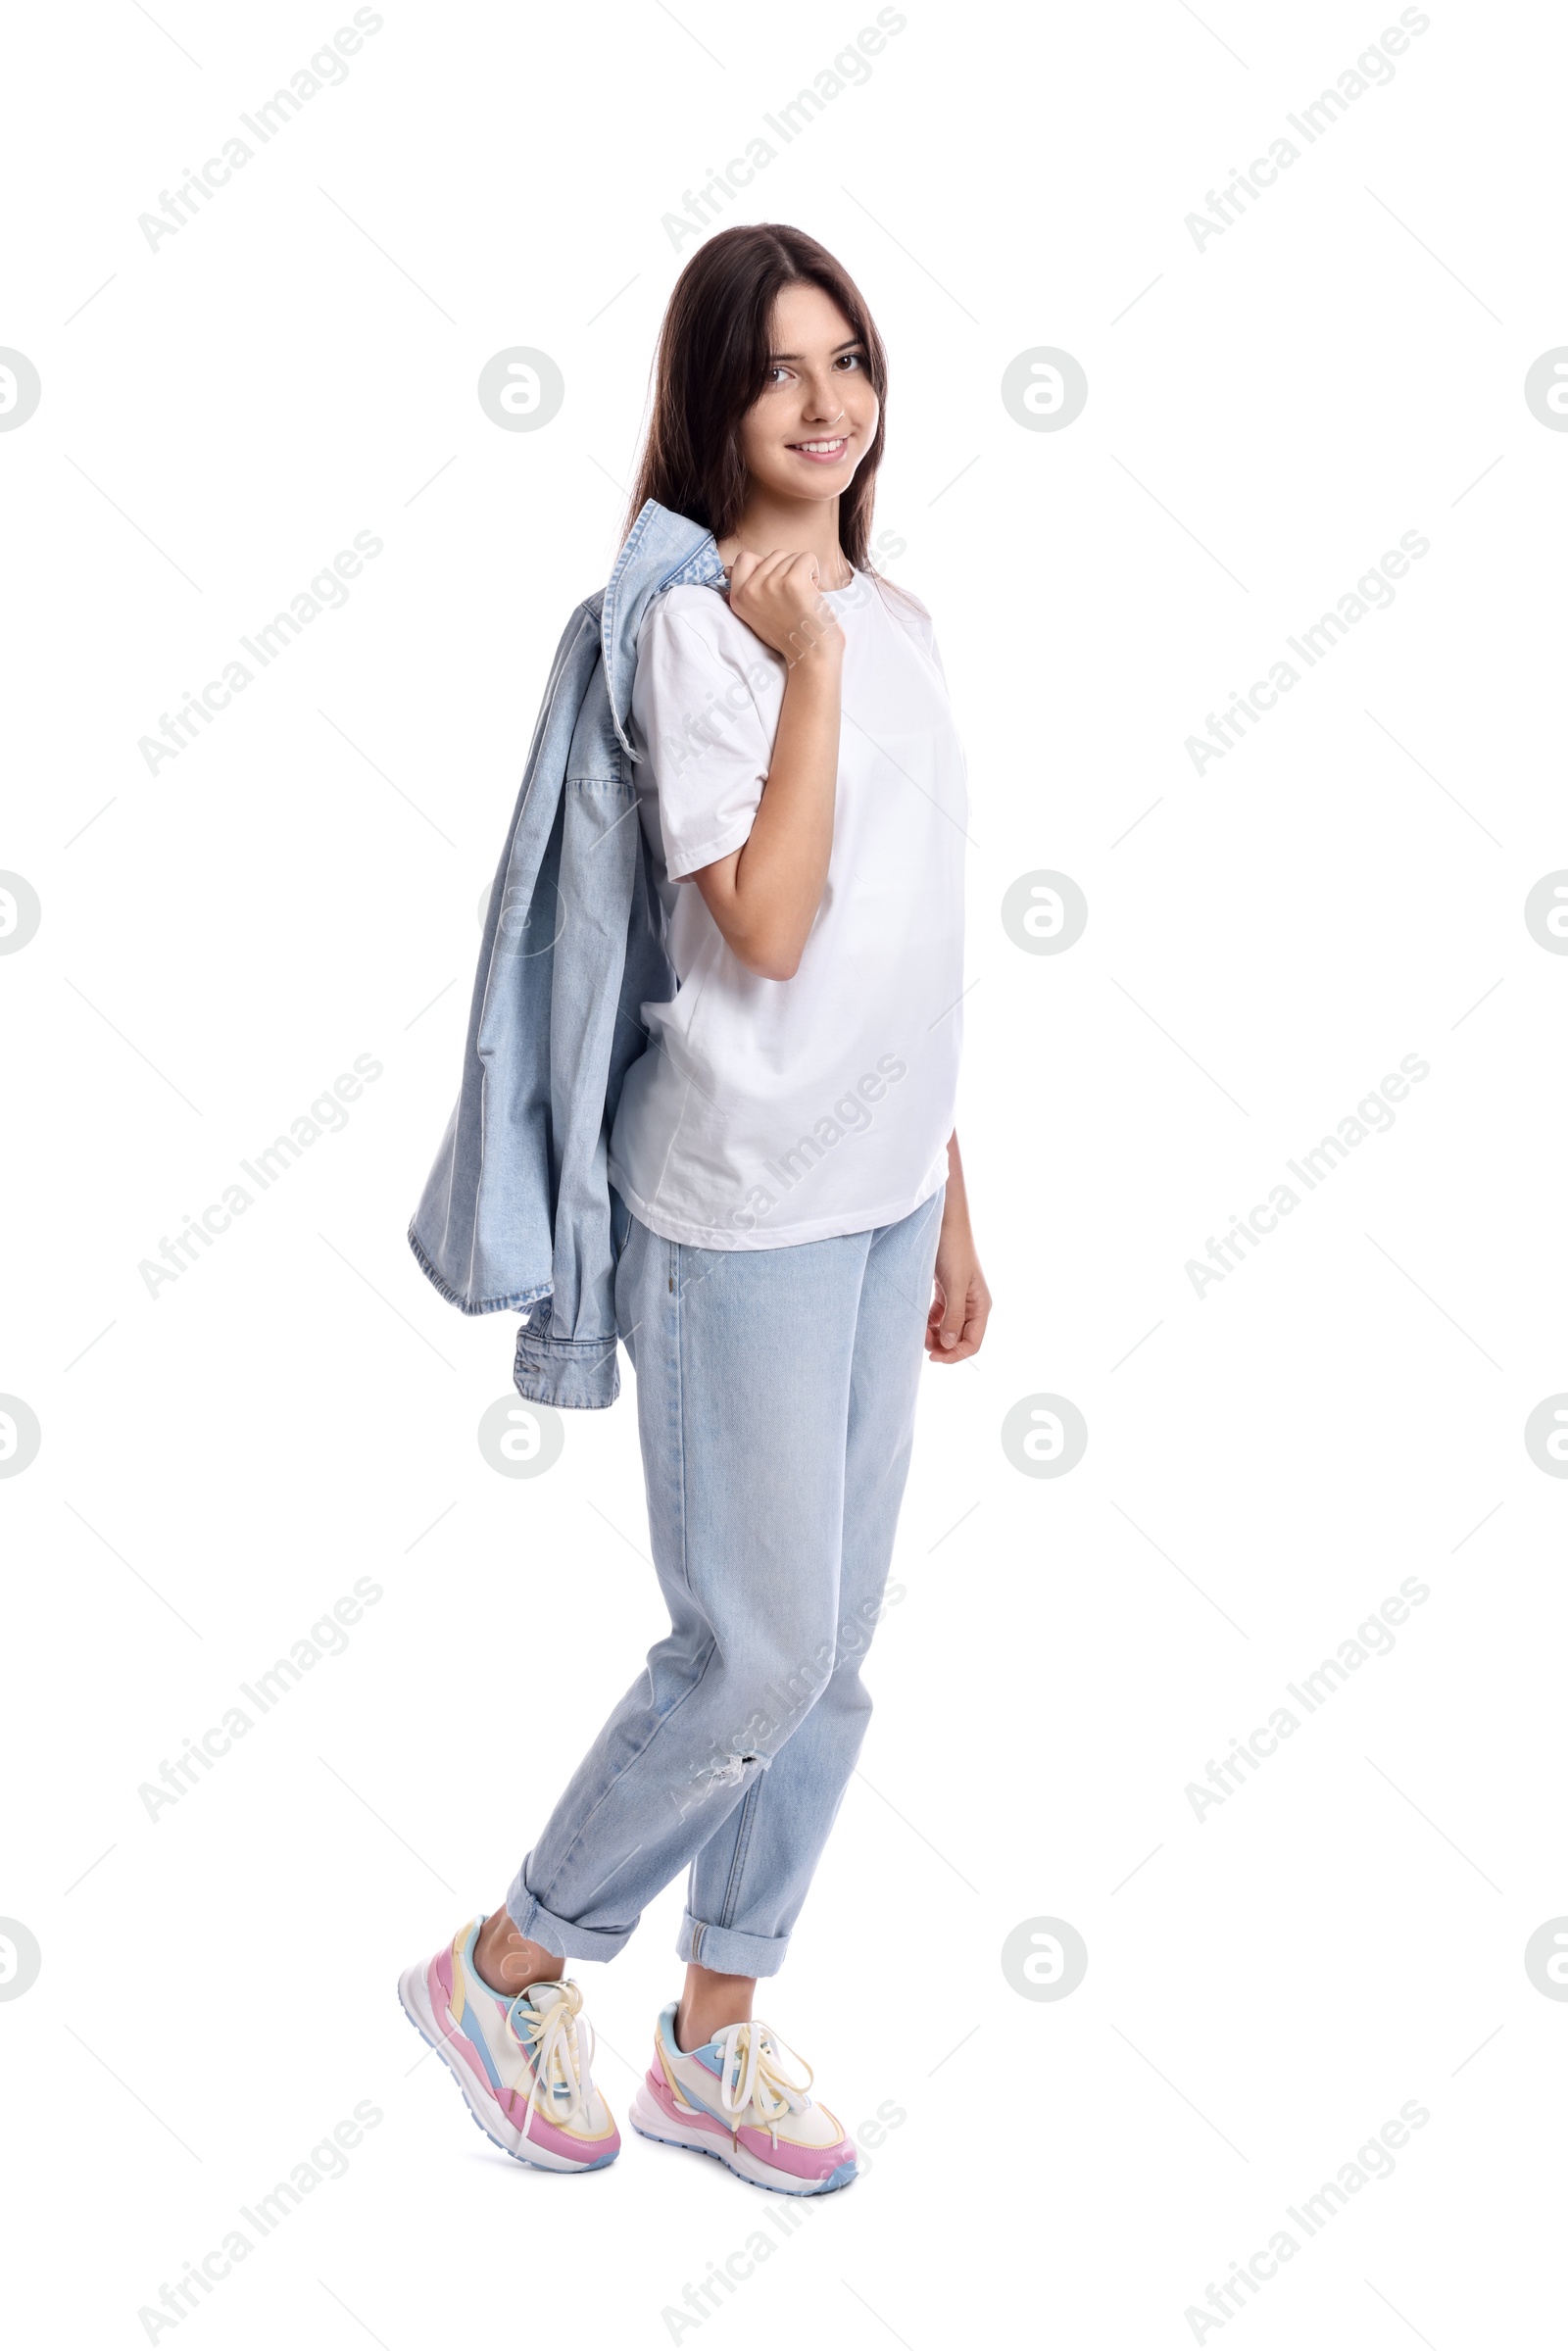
[
  {"x": 765, "y": 896},
  {"x": 962, "y": 1306}
]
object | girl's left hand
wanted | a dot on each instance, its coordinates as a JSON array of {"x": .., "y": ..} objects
[{"x": 962, "y": 1306}]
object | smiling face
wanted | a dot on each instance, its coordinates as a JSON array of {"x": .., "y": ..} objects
[{"x": 818, "y": 415}]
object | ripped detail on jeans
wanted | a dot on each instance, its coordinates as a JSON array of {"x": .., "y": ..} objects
[{"x": 724, "y": 1769}]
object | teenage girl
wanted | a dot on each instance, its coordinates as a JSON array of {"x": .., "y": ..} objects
[{"x": 792, "y": 1225}]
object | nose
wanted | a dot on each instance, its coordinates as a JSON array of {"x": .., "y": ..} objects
[{"x": 823, "y": 402}]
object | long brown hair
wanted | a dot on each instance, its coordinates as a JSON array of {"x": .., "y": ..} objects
[{"x": 711, "y": 365}]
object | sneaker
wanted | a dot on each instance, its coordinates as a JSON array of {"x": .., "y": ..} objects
[
  {"x": 520, "y": 2062},
  {"x": 733, "y": 2099}
]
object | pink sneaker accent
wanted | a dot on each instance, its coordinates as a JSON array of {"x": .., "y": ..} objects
[
  {"x": 733, "y": 2100},
  {"x": 522, "y": 2065}
]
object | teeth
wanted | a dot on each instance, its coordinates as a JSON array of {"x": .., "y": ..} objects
[{"x": 821, "y": 448}]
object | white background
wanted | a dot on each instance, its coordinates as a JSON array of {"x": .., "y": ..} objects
[{"x": 218, "y": 1464}]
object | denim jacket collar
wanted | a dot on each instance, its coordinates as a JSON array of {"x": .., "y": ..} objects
[{"x": 661, "y": 551}]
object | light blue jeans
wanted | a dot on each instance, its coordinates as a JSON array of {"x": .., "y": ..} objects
[{"x": 775, "y": 1404}]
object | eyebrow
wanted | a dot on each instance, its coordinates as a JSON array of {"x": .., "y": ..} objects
[{"x": 855, "y": 343}]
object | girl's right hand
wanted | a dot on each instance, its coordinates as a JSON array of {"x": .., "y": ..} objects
[{"x": 779, "y": 598}]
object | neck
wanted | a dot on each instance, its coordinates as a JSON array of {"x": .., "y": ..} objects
[{"x": 804, "y": 526}]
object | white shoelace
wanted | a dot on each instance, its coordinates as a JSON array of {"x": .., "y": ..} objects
[
  {"x": 749, "y": 2074},
  {"x": 548, "y": 2038}
]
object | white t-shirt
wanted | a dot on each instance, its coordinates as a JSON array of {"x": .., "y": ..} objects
[{"x": 767, "y": 1113}]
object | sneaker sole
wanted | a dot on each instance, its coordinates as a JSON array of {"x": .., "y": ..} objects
[
  {"x": 415, "y": 1998},
  {"x": 651, "y": 2121}
]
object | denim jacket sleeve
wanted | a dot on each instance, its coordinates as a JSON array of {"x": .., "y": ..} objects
[
  {"x": 515, "y": 1212},
  {"x": 606, "y": 961}
]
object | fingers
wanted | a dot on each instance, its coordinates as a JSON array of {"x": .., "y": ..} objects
[
  {"x": 756, "y": 574},
  {"x": 943, "y": 1329},
  {"x": 750, "y": 573},
  {"x": 960, "y": 1352},
  {"x": 780, "y": 602},
  {"x": 970, "y": 1337},
  {"x": 953, "y": 1332},
  {"x": 753, "y": 584},
  {"x": 976, "y": 1317},
  {"x": 767, "y": 566}
]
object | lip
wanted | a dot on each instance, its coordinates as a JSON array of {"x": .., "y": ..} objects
[{"x": 835, "y": 451}]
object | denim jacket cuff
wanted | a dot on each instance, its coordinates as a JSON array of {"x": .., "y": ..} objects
[{"x": 576, "y": 1374}]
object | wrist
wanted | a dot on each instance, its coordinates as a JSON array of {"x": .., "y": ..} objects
[{"x": 815, "y": 652}]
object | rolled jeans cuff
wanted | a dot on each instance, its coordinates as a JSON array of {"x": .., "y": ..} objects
[
  {"x": 560, "y": 1936},
  {"x": 727, "y": 1951}
]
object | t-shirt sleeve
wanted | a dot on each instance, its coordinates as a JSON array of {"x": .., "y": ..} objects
[
  {"x": 918, "y": 620},
  {"x": 698, "y": 711}
]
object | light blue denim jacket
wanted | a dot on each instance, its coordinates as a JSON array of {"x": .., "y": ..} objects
[{"x": 517, "y": 1210}]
